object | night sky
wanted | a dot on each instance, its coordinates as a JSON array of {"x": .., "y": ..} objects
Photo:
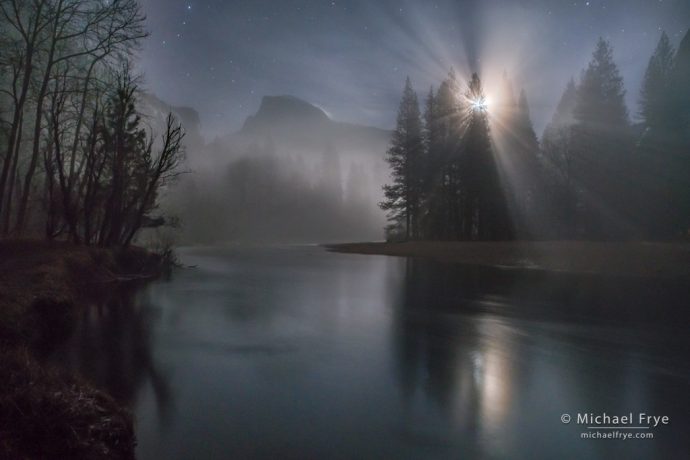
[{"x": 351, "y": 57}]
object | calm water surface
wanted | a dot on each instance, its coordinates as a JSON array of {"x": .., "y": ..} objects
[{"x": 293, "y": 352}]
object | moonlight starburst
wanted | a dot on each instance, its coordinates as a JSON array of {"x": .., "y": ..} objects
[{"x": 479, "y": 104}]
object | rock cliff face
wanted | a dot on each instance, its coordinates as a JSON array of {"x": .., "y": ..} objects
[
  {"x": 294, "y": 124},
  {"x": 284, "y": 110},
  {"x": 291, "y": 174},
  {"x": 155, "y": 112}
]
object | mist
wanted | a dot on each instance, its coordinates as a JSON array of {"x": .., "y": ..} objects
[
  {"x": 351, "y": 57},
  {"x": 346, "y": 62},
  {"x": 290, "y": 175},
  {"x": 344, "y": 229}
]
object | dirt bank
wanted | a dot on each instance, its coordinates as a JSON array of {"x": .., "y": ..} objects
[
  {"x": 45, "y": 413},
  {"x": 667, "y": 260}
]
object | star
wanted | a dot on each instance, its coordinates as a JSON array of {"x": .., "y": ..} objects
[{"x": 240, "y": 31}]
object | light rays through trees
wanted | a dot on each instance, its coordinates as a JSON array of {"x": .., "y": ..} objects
[{"x": 595, "y": 174}]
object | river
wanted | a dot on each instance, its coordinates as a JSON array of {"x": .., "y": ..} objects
[{"x": 295, "y": 352}]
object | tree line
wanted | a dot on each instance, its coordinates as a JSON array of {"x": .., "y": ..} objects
[
  {"x": 445, "y": 179},
  {"x": 77, "y": 161},
  {"x": 466, "y": 169}
]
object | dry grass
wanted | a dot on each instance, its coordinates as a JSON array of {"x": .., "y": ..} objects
[
  {"x": 41, "y": 282},
  {"x": 47, "y": 415},
  {"x": 43, "y": 413},
  {"x": 666, "y": 260}
]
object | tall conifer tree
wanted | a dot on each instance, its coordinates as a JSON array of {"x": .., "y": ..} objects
[
  {"x": 603, "y": 148},
  {"x": 558, "y": 159},
  {"x": 655, "y": 159},
  {"x": 485, "y": 212},
  {"x": 654, "y": 95},
  {"x": 403, "y": 196},
  {"x": 680, "y": 88},
  {"x": 444, "y": 123}
]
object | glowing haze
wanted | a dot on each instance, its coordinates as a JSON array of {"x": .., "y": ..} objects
[{"x": 351, "y": 57}]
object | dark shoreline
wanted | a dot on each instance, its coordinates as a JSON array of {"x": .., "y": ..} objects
[
  {"x": 46, "y": 413},
  {"x": 629, "y": 259}
]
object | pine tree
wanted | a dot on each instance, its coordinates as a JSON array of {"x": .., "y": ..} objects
[
  {"x": 530, "y": 192},
  {"x": 680, "y": 108},
  {"x": 444, "y": 120},
  {"x": 655, "y": 162},
  {"x": 565, "y": 110},
  {"x": 603, "y": 146},
  {"x": 133, "y": 170},
  {"x": 681, "y": 87},
  {"x": 124, "y": 143},
  {"x": 429, "y": 131},
  {"x": 451, "y": 113},
  {"x": 518, "y": 147},
  {"x": 601, "y": 96},
  {"x": 654, "y": 95},
  {"x": 431, "y": 168},
  {"x": 524, "y": 125},
  {"x": 485, "y": 212},
  {"x": 403, "y": 196},
  {"x": 662, "y": 160},
  {"x": 558, "y": 160}
]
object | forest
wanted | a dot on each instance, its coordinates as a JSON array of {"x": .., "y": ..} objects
[
  {"x": 471, "y": 167},
  {"x": 78, "y": 161},
  {"x": 81, "y": 163},
  {"x": 194, "y": 197}
]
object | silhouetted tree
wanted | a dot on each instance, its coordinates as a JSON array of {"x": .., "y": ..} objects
[
  {"x": 679, "y": 84},
  {"x": 655, "y": 97},
  {"x": 403, "y": 196},
  {"x": 527, "y": 186},
  {"x": 485, "y": 211},
  {"x": 525, "y": 128},
  {"x": 55, "y": 53},
  {"x": 680, "y": 108},
  {"x": 603, "y": 147},
  {"x": 655, "y": 160},
  {"x": 587, "y": 179},
  {"x": 430, "y": 139},
  {"x": 134, "y": 172},
  {"x": 444, "y": 123},
  {"x": 558, "y": 152}
]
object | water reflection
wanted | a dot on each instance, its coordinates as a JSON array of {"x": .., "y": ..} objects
[
  {"x": 111, "y": 346},
  {"x": 298, "y": 353},
  {"x": 503, "y": 354},
  {"x": 458, "y": 364}
]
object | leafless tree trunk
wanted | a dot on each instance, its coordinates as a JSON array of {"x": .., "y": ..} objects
[
  {"x": 61, "y": 32},
  {"x": 29, "y": 29},
  {"x": 161, "y": 170}
]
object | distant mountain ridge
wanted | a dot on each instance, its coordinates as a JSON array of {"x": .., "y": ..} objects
[
  {"x": 291, "y": 174},
  {"x": 279, "y": 109},
  {"x": 297, "y": 124},
  {"x": 156, "y": 111}
]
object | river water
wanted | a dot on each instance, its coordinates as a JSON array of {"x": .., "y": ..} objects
[{"x": 294, "y": 352}]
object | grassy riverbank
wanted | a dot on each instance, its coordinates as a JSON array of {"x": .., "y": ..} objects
[
  {"x": 666, "y": 260},
  {"x": 45, "y": 413}
]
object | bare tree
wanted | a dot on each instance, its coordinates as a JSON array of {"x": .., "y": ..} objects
[
  {"x": 23, "y": 24},
  {"x": 77, "y": 35}
]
